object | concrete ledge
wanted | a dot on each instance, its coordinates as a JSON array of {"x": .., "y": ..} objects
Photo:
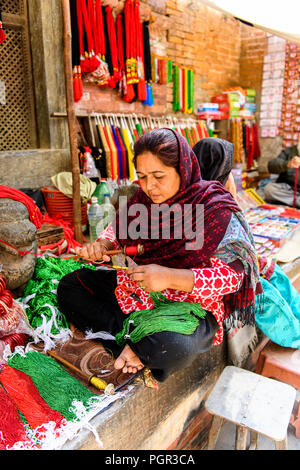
[
  {"x": 32, "y": 168},
  {"x": 148, "y": 419}
]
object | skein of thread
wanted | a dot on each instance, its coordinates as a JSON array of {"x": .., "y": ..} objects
[
  {"x": 12, "y": 428},
  {"x": 6, "y": 304},
  {"x": 6, "y": 301},
  {"x": 13, "y": 340},
  {"x": 2, "y": 283},
  {"x": 16, "y": 339},
  {"x": 6, "y": 298}
]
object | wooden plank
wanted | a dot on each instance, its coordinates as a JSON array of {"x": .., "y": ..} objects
[
  {"x": 261, "y": 404},
  {"x": 214, "y": 432},
  {"x": 241, "y": 438}
]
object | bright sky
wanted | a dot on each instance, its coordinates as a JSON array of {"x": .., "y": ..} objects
[{"x": 279, "y": 15}]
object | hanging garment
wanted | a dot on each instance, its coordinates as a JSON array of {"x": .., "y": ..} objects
[
  {"x": 105, "y": 146},
  {"x": 101, "y": 75},
  {"x": 124, "y": 154},
  {"x": 129, "y": 146},
  {"x": 114, "y": 153},
  {"x": 109, "y": 161},
  {"x": 99, "y": 159},
  {"x": 120, "y": 174},
  {"x": 147, "y": 64}
]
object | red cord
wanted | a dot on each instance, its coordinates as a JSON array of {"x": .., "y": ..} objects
[{"x": 295, "y": 187}]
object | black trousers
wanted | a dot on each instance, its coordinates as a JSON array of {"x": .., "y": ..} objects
[{"x": 88, "y": 301}]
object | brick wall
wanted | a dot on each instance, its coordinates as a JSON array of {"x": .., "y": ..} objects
[
  {"x": 209, "y": 42},
  {"x": 222, "y": 51}
]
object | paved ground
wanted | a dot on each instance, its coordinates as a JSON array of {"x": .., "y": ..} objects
[{"x": 227, "y": 437}]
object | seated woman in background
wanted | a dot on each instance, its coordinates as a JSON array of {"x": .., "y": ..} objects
[
  {"x": 279, "y": 318},
  {"x": 171, "y": 306},
  {"x": 215, "y": 158}
]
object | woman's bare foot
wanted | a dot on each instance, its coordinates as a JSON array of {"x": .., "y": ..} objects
[{"x": 128, "y": 361}]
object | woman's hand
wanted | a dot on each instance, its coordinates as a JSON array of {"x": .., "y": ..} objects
[
  {"x": 151, "y": 277},
  {"x": 294, "y": 163},
  {"x": 155, "y": 278},
  {"x": 94, "y": 251}
]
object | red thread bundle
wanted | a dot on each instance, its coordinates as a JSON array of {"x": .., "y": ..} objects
[
  {"x": 12, "y": 428},
  {"x": 33, "y": 210},
  {"x": 10, "y": 315},
  {"x": 6, "y": 302},
  {"x": 28, "y": 400}
]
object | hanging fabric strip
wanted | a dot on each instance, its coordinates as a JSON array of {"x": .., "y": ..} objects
[
  {"x": 120, "y": 173},
  {"x": 142, "y": 90},
  {"x": 128, "y": 144},
  {"x": 124, "y": 155},
  {"x": 120, "y": 35},
  {"x": 111, "y": 31},
  {"x": 77, "y": 80},
  {"x": 147, "y": 65},
  {"x": 100, "y": 30},
  {"x": 89, "y": 61}
]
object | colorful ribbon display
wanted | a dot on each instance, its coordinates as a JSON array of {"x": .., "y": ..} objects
[{"x": 115, "y": 135}]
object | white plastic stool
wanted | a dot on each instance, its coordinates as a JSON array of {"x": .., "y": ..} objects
[{"x": 253, "y": 402}]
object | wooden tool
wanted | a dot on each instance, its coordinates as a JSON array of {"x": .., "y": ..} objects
[
  {"x": 109, "y": 389},
  {"x": 126, "y": 250}
]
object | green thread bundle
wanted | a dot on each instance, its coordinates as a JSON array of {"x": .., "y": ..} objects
[
  {"x": 40, "y": 291},
  {"x": 190, "y": 91},
  {"x": 169, "y": 70},
  {"x": 167, "y": 315},
  {"x": 55, "y": 385},
  {"x": 176, "y": 91}
]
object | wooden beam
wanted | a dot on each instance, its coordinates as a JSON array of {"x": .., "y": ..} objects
[{"x": 67, "y": 39}]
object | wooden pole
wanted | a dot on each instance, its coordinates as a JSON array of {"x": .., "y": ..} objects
[{"x": 67, "y": 38}]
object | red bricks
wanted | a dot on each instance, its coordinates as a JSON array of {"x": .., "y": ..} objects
[{"x": 194, "y": 436}]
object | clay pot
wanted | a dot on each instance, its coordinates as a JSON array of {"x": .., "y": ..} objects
[{"x": 17, "y": 230}]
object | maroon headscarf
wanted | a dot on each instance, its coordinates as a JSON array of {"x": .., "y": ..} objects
[{"x": 218, "y": 205}]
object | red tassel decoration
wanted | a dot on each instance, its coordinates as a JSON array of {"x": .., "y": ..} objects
[
  {"x": 130, "y": 94},
  {"x": 89, "y": 61},
  {"x": 113, "y": 47},
  {"x": 142, "y": 90},
  {"x": 27, "y": 399},
  {"x": 77, "y": 84}
]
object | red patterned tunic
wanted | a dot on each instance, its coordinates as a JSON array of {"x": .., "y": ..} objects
[{"x": 211, "y": 284}]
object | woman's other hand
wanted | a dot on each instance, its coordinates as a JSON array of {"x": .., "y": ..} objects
[
  {"x": 151, "y": 277},
  {"x": 94, "y": 251},
  {"x": 230, "y": 185}
]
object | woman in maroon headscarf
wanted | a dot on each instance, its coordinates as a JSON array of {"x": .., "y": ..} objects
[{"x": 198, "y": 252}]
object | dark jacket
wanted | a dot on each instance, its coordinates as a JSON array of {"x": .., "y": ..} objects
[{"x": 279, "y": 166}]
